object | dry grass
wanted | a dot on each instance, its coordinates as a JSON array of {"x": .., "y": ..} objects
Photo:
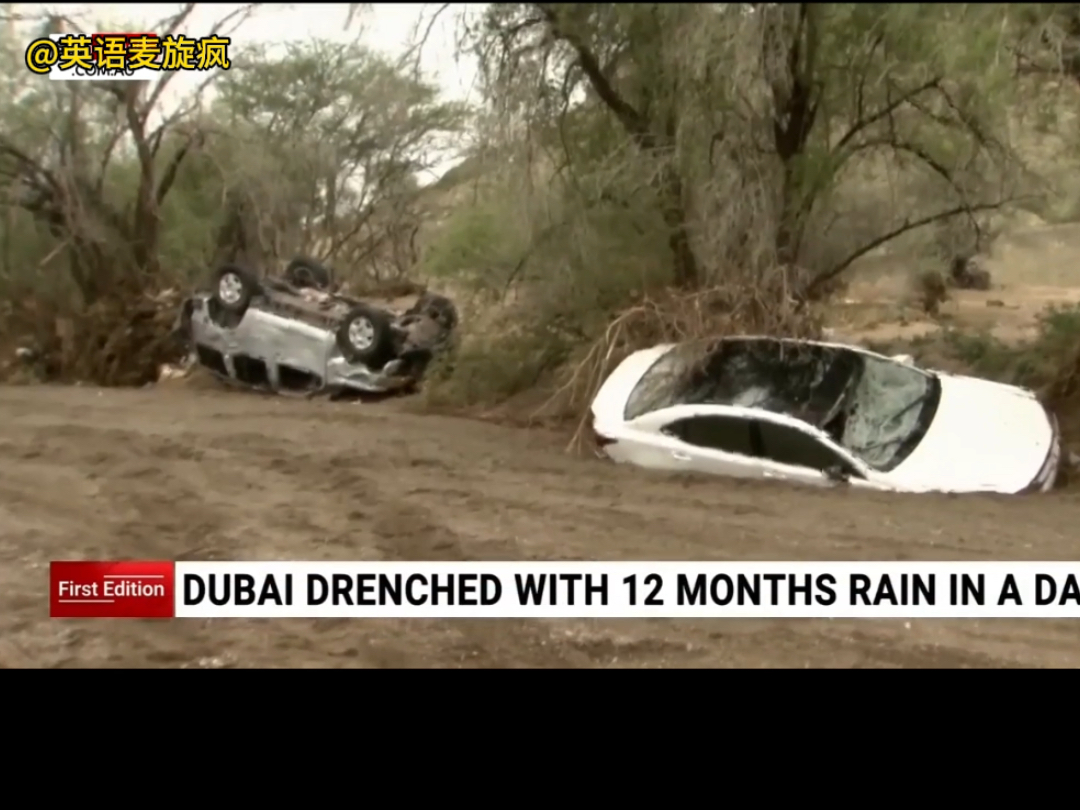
[{"x": 673, "y": 317}]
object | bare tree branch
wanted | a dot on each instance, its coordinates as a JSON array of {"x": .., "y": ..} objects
[{"x": 839, "y": 267}]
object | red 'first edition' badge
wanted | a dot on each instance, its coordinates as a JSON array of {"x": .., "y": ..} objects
[{"x": 98, "y": 590}]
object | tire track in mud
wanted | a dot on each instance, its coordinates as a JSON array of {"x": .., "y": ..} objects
[
  {"x": 154, "y": 497},
  {"x": 117, "y": 496},
  {"x": 394, "y": 518},
  {"x": 203, "y": 475},
  {"x": 333, "y": 508}
]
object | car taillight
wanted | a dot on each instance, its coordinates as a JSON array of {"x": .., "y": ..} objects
[{"x": 599, "y": 440}]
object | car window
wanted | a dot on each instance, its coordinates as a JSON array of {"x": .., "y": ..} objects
[
  {"x": 658, "y": 387},
  {"x": 787, "y": 445},
  {"x": 889, "y": 412},
  {"x": 725, "y": 433}
]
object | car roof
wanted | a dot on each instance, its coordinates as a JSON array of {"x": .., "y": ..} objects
[
  {"x": 800, "y": 341},
  {"x": 851, "y": 347}
]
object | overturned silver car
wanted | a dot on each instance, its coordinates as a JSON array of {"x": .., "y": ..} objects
[{"x": 293, "y": 334}]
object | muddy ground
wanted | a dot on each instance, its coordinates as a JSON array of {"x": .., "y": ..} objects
[
  {"x": 194, "y": 474},
  {"x": 1032, "y": 267}
]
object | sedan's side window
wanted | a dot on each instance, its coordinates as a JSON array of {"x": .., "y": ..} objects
[
  {"x": 788, "y": 445},
  {"x": 725, "y": 433}
]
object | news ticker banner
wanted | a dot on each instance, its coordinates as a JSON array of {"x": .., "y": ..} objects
[
  {"x": 572, "y": 590},
  {"x": 124, "y": 56}
]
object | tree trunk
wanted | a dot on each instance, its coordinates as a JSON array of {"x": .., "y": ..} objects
[{"x": 686, "y": 271}]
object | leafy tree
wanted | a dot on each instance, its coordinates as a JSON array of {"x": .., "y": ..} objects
[
  {"x": 62, "y": 147},
  {"x": 341, "y": 133},
  {"x": 108, "y": 198},
  {"x": 741, "y": 122}
]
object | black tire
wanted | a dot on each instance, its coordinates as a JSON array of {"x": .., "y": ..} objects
[
  {"x": 439, "y": 307},
  {"x": 372, "y": 344},
  {"x": 234, "y": 287},
  {"x": 415, "y": 365},
  {"x": 305, "y": 273}
]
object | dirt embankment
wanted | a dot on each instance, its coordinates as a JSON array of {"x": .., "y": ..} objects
[{"x": 217, "y": 475}]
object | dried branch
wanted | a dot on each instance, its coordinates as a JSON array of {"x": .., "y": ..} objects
[
  {"x": 632, "y": 120},
  {"x": 821, "y": 279},
  {"x": 863, "y": 123},
  {"x": 414, "y": 52}
]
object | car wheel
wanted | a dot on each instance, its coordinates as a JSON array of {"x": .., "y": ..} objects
[
  {"x": 364, "y": 336},
  {"x": 234, "y": 287},
  {"x": 307, "y": 273}
]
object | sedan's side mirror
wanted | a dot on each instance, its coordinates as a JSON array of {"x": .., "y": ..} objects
[{"x": 837, "y": 474}]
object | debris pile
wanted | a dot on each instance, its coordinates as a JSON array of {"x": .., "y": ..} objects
[
  {"x": 967, "y": 273},
  {"x": 117, "y": 341}
]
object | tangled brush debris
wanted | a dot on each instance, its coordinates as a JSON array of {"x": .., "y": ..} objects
[
  {"x": 120, "y": 340},
  {"x": 675, "y": 317}
]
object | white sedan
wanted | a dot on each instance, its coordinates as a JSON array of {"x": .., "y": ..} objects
[{"x": 819, "y": 413}]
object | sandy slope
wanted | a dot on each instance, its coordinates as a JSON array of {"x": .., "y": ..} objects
[{"x": 219, "y": 475}]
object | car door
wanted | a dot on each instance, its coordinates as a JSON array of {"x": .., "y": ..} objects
[
  {"x": 716, "y": 444},
  {"x": 794, "y": 454}
]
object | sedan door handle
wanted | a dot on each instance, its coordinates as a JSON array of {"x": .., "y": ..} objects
[{"x": 680, "y": 456}]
